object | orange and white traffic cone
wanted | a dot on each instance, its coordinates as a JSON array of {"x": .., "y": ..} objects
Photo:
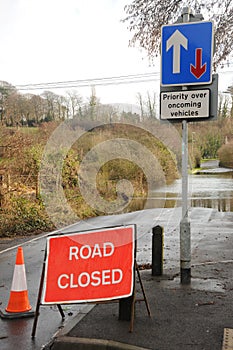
[{"x": 18, "y": 304}]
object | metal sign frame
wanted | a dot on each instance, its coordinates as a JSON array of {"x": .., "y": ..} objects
[{"x": 126, "y": 304}]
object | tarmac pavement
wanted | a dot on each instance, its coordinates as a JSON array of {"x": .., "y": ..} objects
[{"x": 182, "y": 317}]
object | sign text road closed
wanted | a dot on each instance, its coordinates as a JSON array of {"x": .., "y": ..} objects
[
  {"x": 90, "y": 266},
  {"x": 185, "y": 104}
]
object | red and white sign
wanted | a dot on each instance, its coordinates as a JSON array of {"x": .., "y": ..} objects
[{"x": 90, "y": 266}]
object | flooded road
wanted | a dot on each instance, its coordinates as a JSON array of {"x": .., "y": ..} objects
[
  {"x": 212, "y": 191},
  {"x": 206, "y": 191},
  {"x": 211, "y": 188}
]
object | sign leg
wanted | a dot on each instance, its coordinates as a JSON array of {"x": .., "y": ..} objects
[
  {"x": 61, "y": 311},
  {"x": 37, "y": 312},
  {"x": 143, "y": 292}
]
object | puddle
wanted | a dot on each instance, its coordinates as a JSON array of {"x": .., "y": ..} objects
[{"x": 210, "y": 285}]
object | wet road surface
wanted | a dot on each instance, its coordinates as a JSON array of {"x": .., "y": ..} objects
[
  {"x": 210, "y": 231},
  {"x": 17, "y": 333}
]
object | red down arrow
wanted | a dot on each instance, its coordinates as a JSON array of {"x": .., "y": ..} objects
[{"x": 198, "y": 70}]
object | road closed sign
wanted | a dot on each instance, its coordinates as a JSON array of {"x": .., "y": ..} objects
[
  {"x": 185, "y": 104},
  {"x": 89, "y": 266}
]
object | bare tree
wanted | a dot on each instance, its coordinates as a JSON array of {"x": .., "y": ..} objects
[
  {"x": 38, "y": 108},
  {"x": 50, "y": 99},
  {"x": 93, "y": 105},
  {"x": 6, "y": 90},
  {"x": 55, "y": 106},
  {"x": 13, "y": 110},
  {"x": 140, "y": 100},
  {"x": 145, "y": 18},
  {"x": 75, "y": 104},
  {"x": 61, "y": 107},
  {"x": 151, "y": 105}
]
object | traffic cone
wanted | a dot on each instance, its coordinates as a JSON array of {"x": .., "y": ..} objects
[{"x": 18, "y": 304}]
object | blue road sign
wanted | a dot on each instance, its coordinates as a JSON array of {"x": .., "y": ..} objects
[{"x": 186, "y": 53}]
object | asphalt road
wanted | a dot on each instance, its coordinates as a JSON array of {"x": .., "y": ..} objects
[
  {"x": 210, "y": 231},
  {"x": 17, "y": 333}
]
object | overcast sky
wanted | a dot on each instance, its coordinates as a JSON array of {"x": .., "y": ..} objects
[{"x": 60, "y": 40}]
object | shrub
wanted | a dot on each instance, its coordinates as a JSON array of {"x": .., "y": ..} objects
[
  {"x": 22, "y": 217},
  {"x": 225, "y": 154}
]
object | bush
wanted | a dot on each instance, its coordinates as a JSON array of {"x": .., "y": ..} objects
[
  {"x": 22, "y": 217},
  {"x": 225, "y": 155},
  {"x": 196, "y": 158},
  {"x": 210, "y": 146}
]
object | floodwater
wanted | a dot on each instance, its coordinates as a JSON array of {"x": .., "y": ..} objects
[
  {"x": 206, "y": 191},
  {"x": 211, "y": 191}
]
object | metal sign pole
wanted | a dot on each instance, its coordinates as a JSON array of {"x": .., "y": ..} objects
[
  {"x": 185, "y": 237},
  {"x": 186, "y": 61}
]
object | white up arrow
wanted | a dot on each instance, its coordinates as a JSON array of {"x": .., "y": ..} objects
[{"x": 177, "y": 39}]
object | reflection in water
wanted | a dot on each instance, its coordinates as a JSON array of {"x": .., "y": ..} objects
[
  {"x": 212, "y": 191},
  {"x": 221, "y": 204},
  {"x": 207, "y": 191}
]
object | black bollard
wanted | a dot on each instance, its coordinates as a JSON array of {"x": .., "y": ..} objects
[{"x": 157, "y": 251}]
